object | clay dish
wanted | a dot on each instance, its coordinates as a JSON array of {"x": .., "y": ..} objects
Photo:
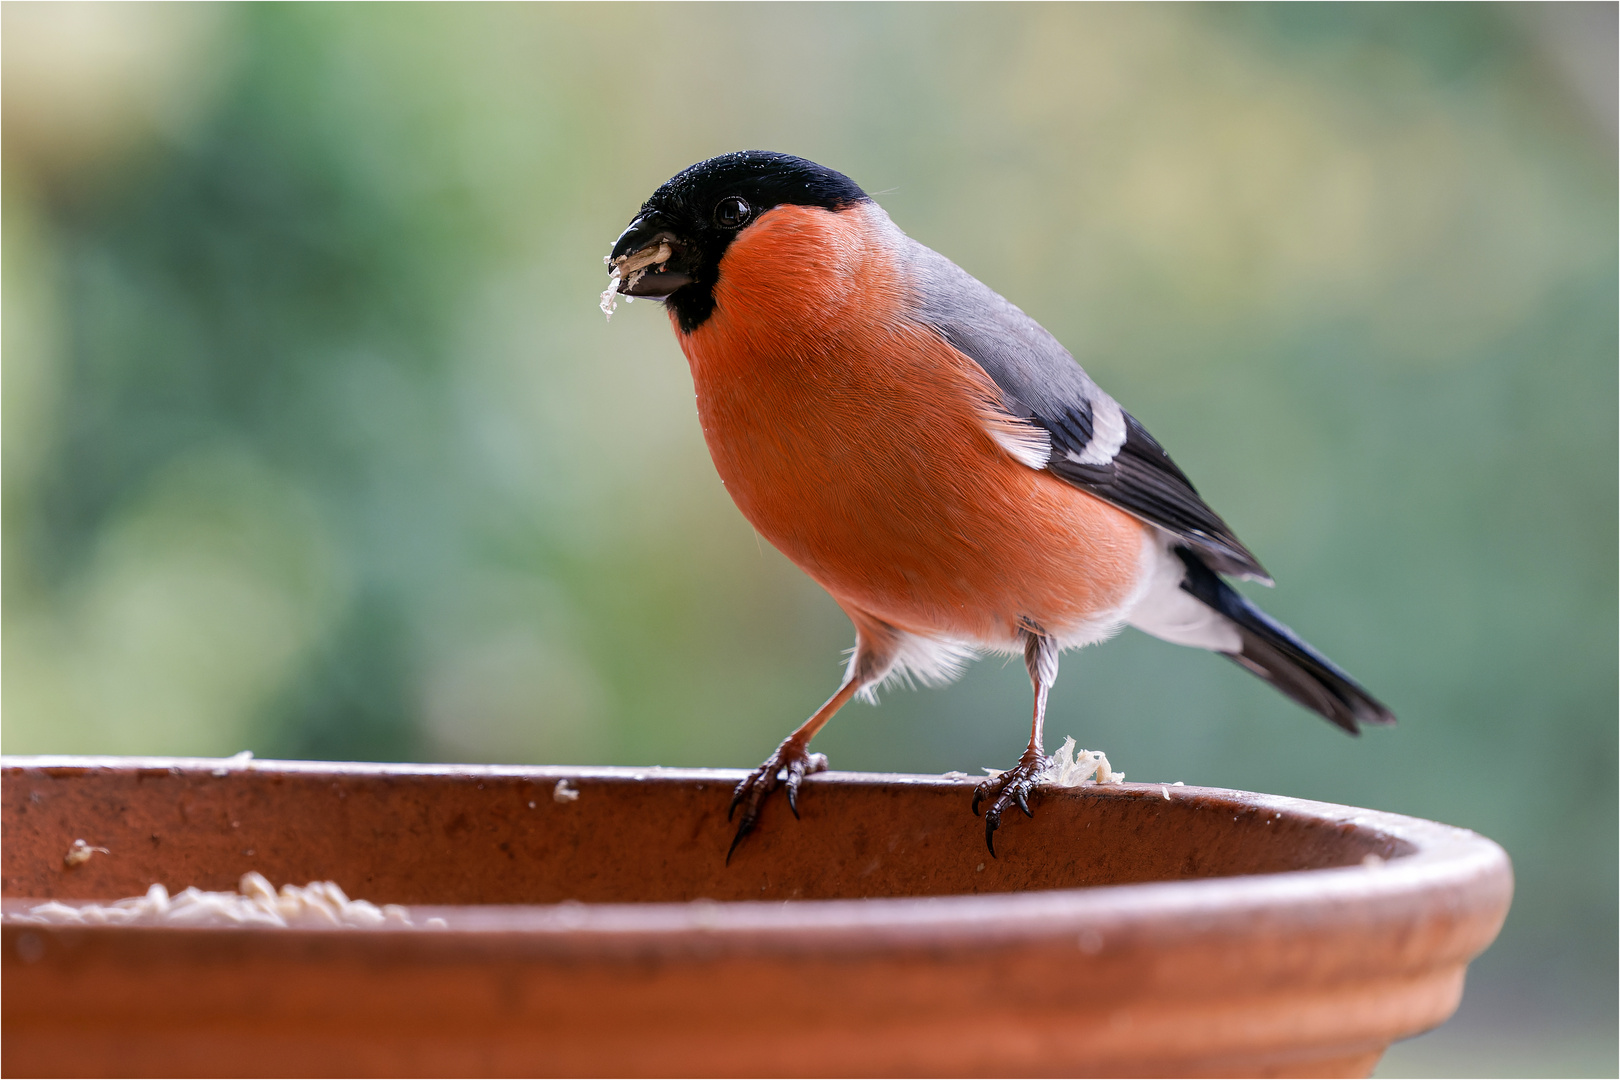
[{"x": 1135, "y": 929}]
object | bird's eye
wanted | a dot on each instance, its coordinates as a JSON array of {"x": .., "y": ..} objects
[{"x": 731, "y": 213}]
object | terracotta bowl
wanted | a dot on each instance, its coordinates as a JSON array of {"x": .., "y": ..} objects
[{"x": 1135, "y": 929}]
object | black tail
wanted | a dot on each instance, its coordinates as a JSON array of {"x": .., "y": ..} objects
[{"x": 1282, "y": 658}]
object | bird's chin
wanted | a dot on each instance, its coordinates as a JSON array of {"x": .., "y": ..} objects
[{"x": 657, "y": 284}]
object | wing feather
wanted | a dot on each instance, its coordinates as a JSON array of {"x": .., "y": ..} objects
[{"x": 1096, "y": 445}]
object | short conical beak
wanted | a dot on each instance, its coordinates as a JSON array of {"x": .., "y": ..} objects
[{"x": 650, "y": 257}]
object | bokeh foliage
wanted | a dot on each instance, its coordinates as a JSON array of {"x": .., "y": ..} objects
[{"x": 316, "y": 444}]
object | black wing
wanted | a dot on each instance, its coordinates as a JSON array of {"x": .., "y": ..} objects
[
  {"x": 1141, "y": 479},
  {"x": 1095, "y": 444}
]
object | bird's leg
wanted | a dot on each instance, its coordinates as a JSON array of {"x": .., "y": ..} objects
[
  {"x": 876, "y": 646},
  {"x": 790, "y": 764},
  {"x": 1013, "y": 786}
]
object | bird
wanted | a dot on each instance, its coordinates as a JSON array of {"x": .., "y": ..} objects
[{"x": 933, "y": 458}]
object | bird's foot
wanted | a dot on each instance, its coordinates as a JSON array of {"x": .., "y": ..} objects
[
  {"x": 788, "y": 765},
  {"x": 1008, "y": 789}
]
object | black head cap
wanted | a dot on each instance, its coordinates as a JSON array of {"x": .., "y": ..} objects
[{"x": 700, "y": 209}]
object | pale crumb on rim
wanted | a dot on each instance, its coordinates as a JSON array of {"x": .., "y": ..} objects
[
  {"x": 256, "y": 903},
  {"x": 1166, "y": 789},
  {"x": 79, "y": 853},
  {"x": 1072, "y": 767},
  {"x": 564, "y": 792},
  {"x": 240, "y": 760},
  {"x": 1373, "y": 862}
]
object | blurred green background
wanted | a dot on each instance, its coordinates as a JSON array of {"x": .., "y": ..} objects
[{"x": 316, "y": 444}]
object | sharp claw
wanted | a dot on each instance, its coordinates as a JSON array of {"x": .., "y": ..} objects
[
  {"x": 787, "y": 767},
  {"x": 743, "y": 830},
  {"x": 797, "y": 769},
  {"x": 1011, "y": 788}
]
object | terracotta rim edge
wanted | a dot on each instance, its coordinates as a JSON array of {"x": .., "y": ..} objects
[{"x": 1432, "y": 858}]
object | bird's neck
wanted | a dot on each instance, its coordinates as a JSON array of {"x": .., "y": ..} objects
[{"x": 792, "y": 290}]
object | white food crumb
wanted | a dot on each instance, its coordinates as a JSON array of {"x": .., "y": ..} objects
[
  {"x": 635, "y": 266},
  {"x": 954, "y": 775},
  {"x": 1072, "y": 767},
  {"x": 610, "y": 296},
  {"x": 255, "y": 903},
  {"x": 564, "y": 792},
  {"x": 238, "y": 760},
  {"x": 79, "y": 853},
  {"x": 1373, "y": 862},
  {"x": 1166, "y": 789}
]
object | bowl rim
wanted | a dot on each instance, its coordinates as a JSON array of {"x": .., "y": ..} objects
[{"x": 1431, "y": 864}]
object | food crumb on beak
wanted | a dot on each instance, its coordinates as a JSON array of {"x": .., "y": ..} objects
[
  {"x": 628, "y": 269},
  {"x": 610, "y": 296}
]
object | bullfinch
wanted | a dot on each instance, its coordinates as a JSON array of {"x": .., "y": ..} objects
[{"x": 933, "y": 458}]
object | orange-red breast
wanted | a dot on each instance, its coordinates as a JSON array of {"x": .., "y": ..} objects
[{"x": 932, "y": 457}]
